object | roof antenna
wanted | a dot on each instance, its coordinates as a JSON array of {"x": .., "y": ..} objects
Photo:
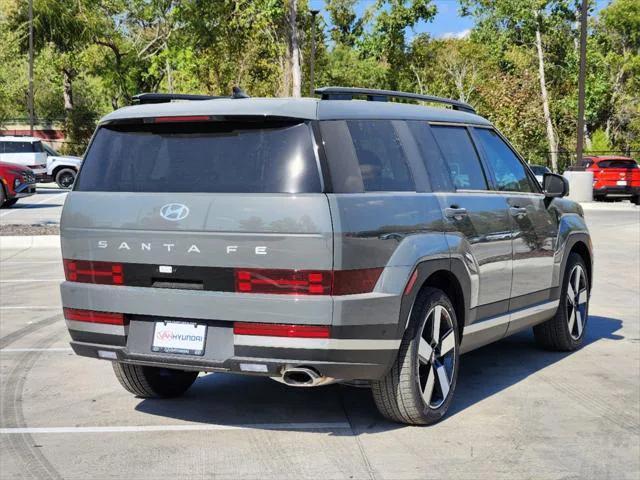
[{"x": 237, "y": 92}]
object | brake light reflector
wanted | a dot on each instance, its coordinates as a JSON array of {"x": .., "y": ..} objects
[
  {"x": 350, "y": 282},
  {"x": 291, "y": 282},
  {"x": 279, "y": 330},
  {"x": 87, "y": 271},
  {"x": 92, "y": 316}
]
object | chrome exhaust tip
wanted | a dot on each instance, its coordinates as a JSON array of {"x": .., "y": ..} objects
[{"x": 302, "y": 377}]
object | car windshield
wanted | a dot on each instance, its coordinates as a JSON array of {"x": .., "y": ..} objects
[
  {"x": 20, "y": 147},
  {"x": 209, "y": 157}
]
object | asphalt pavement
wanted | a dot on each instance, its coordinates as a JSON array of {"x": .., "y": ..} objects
[{"x": 519, "y": 412}]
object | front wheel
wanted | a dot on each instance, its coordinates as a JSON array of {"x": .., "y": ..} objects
[
  {"x": 419, "y": 387},
  {"x": 65, "y": 177},
  {"x": 153, "y": 382},
  {"x": 565, "y": 331}
]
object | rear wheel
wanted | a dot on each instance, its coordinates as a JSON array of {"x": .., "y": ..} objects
[
  {"x": 565, "y": 331},
  {"x": 9, "y": 203},
  {"x": 65, "y": 177},
  {"x": 419, "y": 387},
  {"x": 636, "y": 199},
  {"x": 153, "y": 382}
]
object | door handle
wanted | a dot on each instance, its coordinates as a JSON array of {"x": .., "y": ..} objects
[
  {"x": 455, "y": 213},
  {"x": 517, "y": 211}
]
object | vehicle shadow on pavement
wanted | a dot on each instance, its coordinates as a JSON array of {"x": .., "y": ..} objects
[
  {"x": 227, "y": 399},
  {"x": 491, "y": 369}
]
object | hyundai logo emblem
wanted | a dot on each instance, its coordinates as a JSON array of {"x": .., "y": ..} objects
[{"x": 174, "y": 212}]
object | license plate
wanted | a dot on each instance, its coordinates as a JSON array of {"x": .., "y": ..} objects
[
  {"x": 179, "y": 337},
  {"x": 622, "y": 183}
]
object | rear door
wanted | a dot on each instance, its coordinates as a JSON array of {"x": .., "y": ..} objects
[
  {"x": 535, "y": 227},
  {"x": 481, "y": 219},
  {"x": 200, "y": 200}
]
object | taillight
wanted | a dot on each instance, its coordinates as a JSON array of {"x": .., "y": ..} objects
[
  {"x": 306, "y": 282},
  {"x": 92, "y": 316},
  {"x": 291, "y": 282},
  {"x": 349, "y": 282},
  {"x": 279, "y": 330},
  {"x": 87, "y": 271}
]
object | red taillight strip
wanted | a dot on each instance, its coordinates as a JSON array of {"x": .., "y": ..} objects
[
  {"x": 189, "y": 118},
  {"x": 91, "y": 316},
  {"x": 280, "y": 330},
  {"x": 88, "y": 271},
  {"x": 411, "y": 283}
]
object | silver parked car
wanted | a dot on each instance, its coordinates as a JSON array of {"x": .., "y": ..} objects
[{"x": 315, "y": 240}]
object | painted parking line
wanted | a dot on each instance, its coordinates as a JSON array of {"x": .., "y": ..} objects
[
  {"x": 31, "y": 204},
  {"x": 42, "y": 262},
  {"x": 27, "y": 280},
  {"x": 177, "y": 428},
  {"x": 22, "y": 350},
  {"x": 33, "y": 307}
]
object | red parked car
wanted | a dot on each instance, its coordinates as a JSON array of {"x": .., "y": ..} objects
[
  {"x": 15, "y": 182},
  {"x": 614, "y": 177}
]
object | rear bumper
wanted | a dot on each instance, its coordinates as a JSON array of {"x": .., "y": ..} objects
[
  {"x": 361, "y": 345},
  {"x": 617, "y": 191},
  {"x": 339, "y": 358}
]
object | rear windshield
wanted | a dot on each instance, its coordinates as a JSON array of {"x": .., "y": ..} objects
[
  {"x": 617, "y": 164},
  {"x": 243, "y": 157},
  {"x": 20, "y": 147}
]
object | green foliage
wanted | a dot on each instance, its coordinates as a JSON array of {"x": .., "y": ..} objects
[{"x": 93, "y": 55}]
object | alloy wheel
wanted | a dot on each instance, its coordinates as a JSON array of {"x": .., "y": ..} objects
[
  {"x": 66, "y": 180},
  {"x": 577, "y": 301},
  {"x": 436, "y": 356}
]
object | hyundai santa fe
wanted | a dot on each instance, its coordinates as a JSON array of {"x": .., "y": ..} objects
[{"x": 353, "y": 236}]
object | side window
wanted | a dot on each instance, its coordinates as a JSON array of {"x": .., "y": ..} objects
[
  {"x": 382, "y": 160},
  {"x": 461, "y": 157},
  {"x": 507, "y": 169},
  {"x": 435, "y": 165}
]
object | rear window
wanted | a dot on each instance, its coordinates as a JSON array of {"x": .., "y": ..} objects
[
  {"x": 617, "y": 164},
  {"x": 20, "y": 147},
  {"x": 226, "y": 157}
]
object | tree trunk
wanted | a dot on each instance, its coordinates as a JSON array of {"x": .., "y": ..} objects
[
  {"x": 551, "y": 136},
  {"x": 67, "y": 90},
  {"x": 296, "y": 77}
]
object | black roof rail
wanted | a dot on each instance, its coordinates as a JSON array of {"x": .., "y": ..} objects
[
  {"x": 373, "y": 95},
  {"x": 143, "y": 98}
]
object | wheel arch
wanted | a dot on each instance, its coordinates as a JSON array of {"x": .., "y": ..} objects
[
  {"x": 448, "y": 275},
  {"x": 57, "y": 168}
]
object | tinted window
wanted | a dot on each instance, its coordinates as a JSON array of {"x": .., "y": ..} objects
[
  {"x": 618, "y": 164},
  {"x": 539, "y": 169},
  {"x": 382, "y": 160},
  {"x": 437, "y": 169},
  {"x": 202, "y": 157},
  {"x": 507, "y": 169},
  {"x": 20, "y": 147},
  {"x": 461, "y": 157}
]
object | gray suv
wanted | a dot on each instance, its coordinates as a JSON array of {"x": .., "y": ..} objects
[{"x": 315, "y": 240}]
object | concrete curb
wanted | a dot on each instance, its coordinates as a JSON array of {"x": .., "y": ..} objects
[
  {"x": 611, "y": 207},
  {"x": 29, "y": 241}
]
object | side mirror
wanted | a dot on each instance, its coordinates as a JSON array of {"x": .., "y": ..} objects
[{"x": 555, "y": 185}]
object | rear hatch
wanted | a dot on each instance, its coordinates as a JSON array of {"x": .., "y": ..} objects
[
  {"x": 617, "y": 173},
  {"x": 192, "y": 205}
]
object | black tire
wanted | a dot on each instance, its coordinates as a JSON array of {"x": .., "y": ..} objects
[
  {"x": 153, "y": 382},
  {"x": 65, "y": 177},
  {"x": 636, "y": 200},
  {"x": 566, "y": 330},
  {"x": 9, "y": 203},
  {"x": 3, "y": 196},
  {"x": 399, "y": 396}
]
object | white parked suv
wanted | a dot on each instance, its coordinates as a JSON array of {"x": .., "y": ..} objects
[
  {"x": 26, "y": 151},
  {"x": 61, "y": 169}
]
